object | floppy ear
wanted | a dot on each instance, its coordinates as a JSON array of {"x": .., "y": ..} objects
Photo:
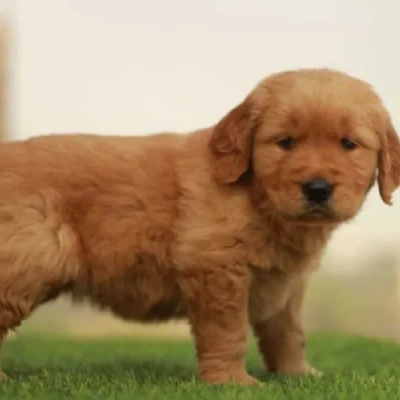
[
  {"x": 231, "y": 143},
  {"x": 389, "y": 165}
]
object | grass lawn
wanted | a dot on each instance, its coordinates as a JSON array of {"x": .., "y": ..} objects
[{"x": 56, "y": 368}]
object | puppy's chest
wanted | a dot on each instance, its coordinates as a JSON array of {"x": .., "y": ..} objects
[
  {"x": 269, "y": 292},
  {"x": 290, "y": 253},
  {"x": 278, "y": 264}
]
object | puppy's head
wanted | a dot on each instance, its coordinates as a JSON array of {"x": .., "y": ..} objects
[{"x": 313, "y": 141}]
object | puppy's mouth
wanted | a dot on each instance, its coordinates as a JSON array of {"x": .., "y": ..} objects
[
  {"x": 317, "y": 214},
  {"x": 318, "y": 210}
]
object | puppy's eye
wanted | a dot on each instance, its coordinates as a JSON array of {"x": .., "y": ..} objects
[
  {"x": 348, "y": 144},
  {"x": 286, "y": 143}
]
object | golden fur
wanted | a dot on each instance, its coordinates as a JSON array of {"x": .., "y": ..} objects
[{"x": 211, "y": 225}]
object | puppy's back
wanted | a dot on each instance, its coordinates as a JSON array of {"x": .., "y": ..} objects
[{"x": 74, "y": 201}]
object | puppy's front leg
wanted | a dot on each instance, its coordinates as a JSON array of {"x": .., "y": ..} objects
[
  {"x": 217, "y": 304},
  {"x": 281, "y": 339}
]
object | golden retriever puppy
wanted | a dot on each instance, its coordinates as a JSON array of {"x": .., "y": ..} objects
[{"x": 222, "y": 225}]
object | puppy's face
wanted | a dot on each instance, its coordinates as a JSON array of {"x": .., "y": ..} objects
[{"x": 313, "y": 141}]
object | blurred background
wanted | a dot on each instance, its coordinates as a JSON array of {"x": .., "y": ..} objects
[{"x": 135, "y": 67}]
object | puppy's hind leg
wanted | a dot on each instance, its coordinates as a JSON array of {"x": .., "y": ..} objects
[
  {"x": 12, "y": 312},
  {"x": 38, "y": 257},
  {"x": 3, "y": 376}
]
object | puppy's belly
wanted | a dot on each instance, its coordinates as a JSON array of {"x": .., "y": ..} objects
[
  {"x": 142, "y": 296},
  {"x": 162, "y": 309},
  {"x": 269, "y": 293}
]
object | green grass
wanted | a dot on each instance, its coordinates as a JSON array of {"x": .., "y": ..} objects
[{"x": 56, "y": 368}]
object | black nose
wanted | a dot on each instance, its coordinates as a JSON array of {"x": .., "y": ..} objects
[{"x": 317, "y": 190}]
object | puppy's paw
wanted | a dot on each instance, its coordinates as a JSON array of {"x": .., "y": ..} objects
[
  {"x": 242, "y": 378},
  {"x": 247, "y": 380}
]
